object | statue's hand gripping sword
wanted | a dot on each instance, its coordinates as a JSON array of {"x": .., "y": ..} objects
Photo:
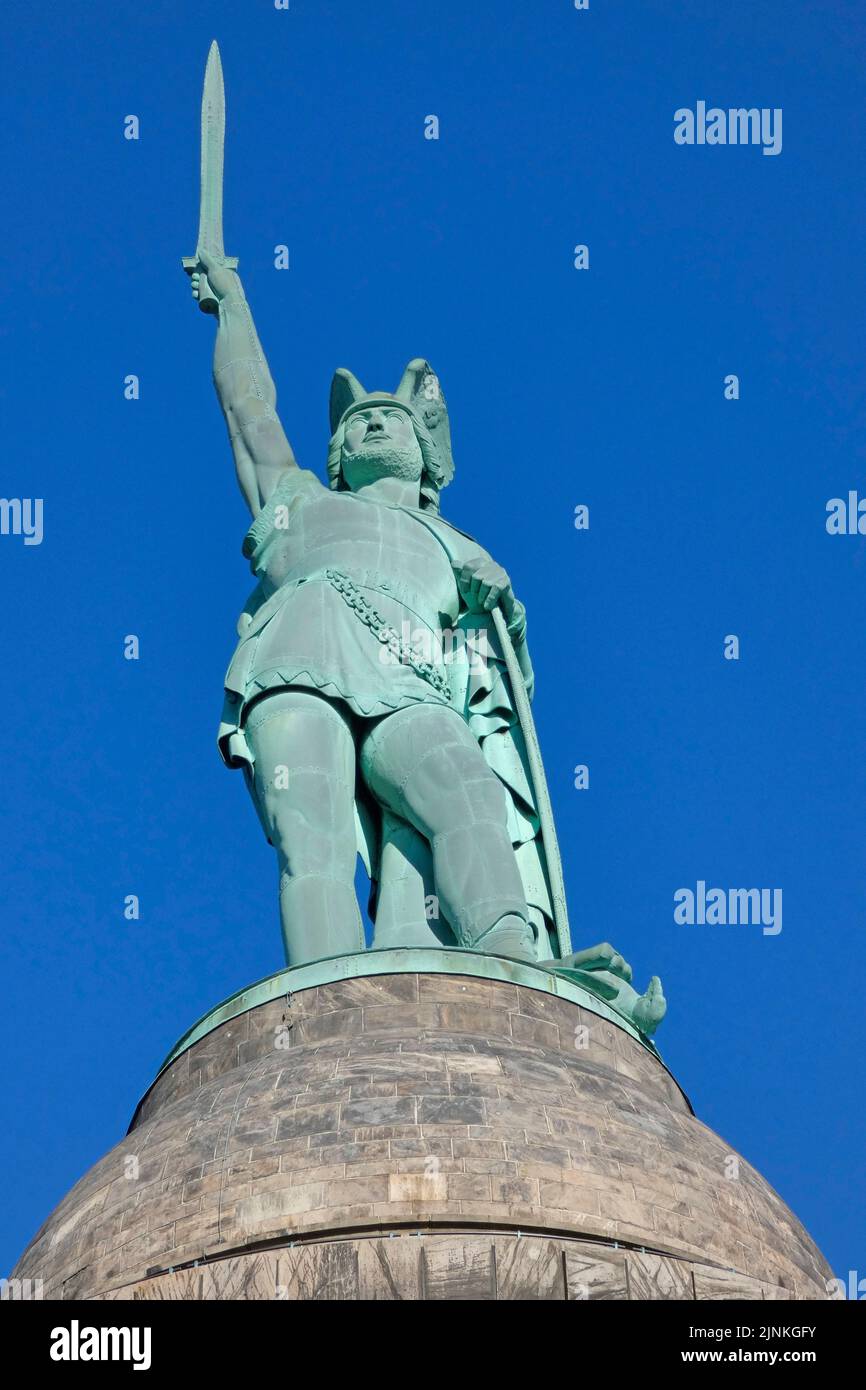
[{"x": 210, "y": 218}]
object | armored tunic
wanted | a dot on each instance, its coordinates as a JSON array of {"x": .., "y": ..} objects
[{"x": 352, "y": 599}]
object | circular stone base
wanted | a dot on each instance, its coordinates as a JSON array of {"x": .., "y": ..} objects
[{"x": 421, "y": 1135}]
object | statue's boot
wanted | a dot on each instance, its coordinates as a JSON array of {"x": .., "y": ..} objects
[
  {"x": 481, "y": 890},
  {"x": 510, "y": 936}
]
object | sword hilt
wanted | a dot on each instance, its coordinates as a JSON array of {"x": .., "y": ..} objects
[{"x": 207, "y": 300}]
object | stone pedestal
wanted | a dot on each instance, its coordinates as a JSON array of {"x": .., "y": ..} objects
[{"x": 420, "y": 1133}]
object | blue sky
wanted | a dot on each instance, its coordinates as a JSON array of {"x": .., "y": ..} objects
[{"x": 602, "y": 387}]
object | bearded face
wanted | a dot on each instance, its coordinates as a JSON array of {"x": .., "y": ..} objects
[{"x": 380, "y": 442}]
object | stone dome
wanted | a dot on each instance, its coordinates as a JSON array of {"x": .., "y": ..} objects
[{"x": 420, "y": 1133}]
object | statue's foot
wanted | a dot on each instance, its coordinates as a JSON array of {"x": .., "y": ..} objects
[
  {"x": 509, "y": 937},
  {"x": 650, "y": 1008}
]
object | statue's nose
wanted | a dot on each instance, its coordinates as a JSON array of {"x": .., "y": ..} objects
[{"x": 376, "y": 421}]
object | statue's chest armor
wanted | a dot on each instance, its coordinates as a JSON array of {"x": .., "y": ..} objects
[{"x": 380, "y": 545}]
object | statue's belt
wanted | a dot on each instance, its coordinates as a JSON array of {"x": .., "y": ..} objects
[
  {"x": 400, "y": 649},
  {"x": 396, "y": 590}
]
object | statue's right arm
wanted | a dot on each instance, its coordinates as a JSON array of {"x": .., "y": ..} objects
[{"x": 246, "y": 392}]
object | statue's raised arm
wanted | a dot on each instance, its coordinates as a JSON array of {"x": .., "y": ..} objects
[
  {"x": 244, "y": 387},
  {"x": 243, "y": 382}
]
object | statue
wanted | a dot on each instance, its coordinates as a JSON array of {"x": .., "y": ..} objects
[{"x": 378, "y": 697}]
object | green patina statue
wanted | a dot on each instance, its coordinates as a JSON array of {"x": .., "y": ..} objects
[{"x": 378, "y": 697}]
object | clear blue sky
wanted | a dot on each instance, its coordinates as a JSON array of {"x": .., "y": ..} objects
[{"x": 602, "y": 387}]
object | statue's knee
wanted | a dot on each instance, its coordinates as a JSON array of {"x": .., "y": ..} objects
[{"x": 429, "y": 773}]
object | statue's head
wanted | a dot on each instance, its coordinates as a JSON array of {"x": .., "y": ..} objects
[{"x": 404, "y": 435}]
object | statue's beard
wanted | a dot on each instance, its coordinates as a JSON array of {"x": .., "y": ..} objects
[{"x": 385, "y": 461}]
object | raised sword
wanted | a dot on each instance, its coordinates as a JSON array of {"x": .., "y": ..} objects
[{"x": 210, "y": 217}]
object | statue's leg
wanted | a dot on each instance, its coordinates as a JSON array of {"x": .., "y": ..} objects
[
  {"x": 304, "y": 783},
  {"x": 424, "y": 764},
  {"x": 408, "y": 912}
]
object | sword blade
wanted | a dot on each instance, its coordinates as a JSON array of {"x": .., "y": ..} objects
[{"x": 213, "y": 128}]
